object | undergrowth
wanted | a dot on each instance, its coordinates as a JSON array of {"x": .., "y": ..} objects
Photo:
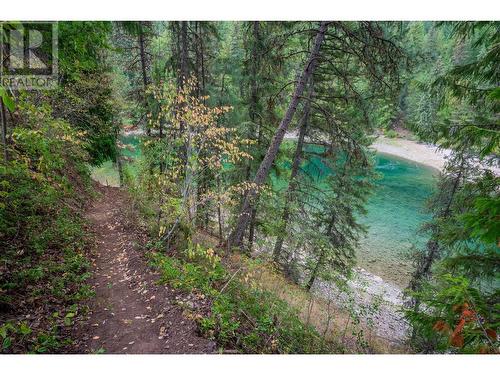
[
  {"x": 242, "y": 316},
  {"x": 43, "y": 264}
]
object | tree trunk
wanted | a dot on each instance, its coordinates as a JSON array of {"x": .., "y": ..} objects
[
  {"x": 188, "y": 179},
  {"x": 119, "y": 165},
  {"x": 200, "y": 60},
  {"x": 184, "y": 53},
  {"x": 321, "y": 258},
  {"x": 184, "y": 75},
  {"x": 176, "y": 52},
  {"x": 3, "y": 118},
  {"x": 142, "y": 50},
  {"x": 254, "y": 100},
  {"x": 255, "y": 61},
  {"x": 251, "y": 232},
  {"x": 202, "y": 48},
  {"x": 143, "y": 57},
  {"x": 236, "y": 236},
  {"x": 328, "y": 318},
  {"x": 292, "y": 186},
  {"x": 219, "y": 211},
  {"x": 316, "y": 269}
]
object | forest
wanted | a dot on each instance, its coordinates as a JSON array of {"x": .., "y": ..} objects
[{"x": 252, "y": 187}]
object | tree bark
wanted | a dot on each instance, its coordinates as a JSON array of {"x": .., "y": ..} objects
[
  {"x": 176, "y": 51},
  {"x": 203, "y": 78},
  {"x": 251, "y": 232},
  {"x": 142, "y": 51},
  {"x": 183, "y": 77},
  {"x": 255, "y": 60},
  {"x": 321, "y": 258},
  {"x": 235, "y": 239},
  {"x": 119, "y": 165},
  {"x": 254, "y": 101},
  {"x": 219, "y": 211},
  {"x": 143, "y": 57},
  {"x": 3, "y": 118},
  {"x": 184, "y": 53},
  {"x": 315, "y": 271},
  {"x": 292, "y": 186}
]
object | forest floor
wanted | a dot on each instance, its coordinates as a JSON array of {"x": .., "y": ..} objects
[{"x": 131, "y": 312}]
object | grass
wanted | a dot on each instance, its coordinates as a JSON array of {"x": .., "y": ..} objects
[
  {"x": 255, "y": 309},
  {"x": 391, "y": 133},
  {"x": 242, "y": 316},
  {"x": 40, "y": 299},
  {"x": 106, "y": 174},
  {"x": 333, "y": 321}
]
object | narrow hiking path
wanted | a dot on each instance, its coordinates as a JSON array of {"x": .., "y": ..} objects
[{"x": 130, "y": 312}]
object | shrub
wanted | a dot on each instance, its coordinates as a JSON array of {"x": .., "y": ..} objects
[
  {"x": 455, "y": 317},
  {"x": 391, "y": 134},
  {"x": 43, "y": 186},
  {"x": 242, "y": 316}
]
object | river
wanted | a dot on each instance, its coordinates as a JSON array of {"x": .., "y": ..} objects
[{"x": 395, "y": 212}]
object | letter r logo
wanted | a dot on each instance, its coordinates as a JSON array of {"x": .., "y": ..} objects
[{"x": 28, "y": 54}]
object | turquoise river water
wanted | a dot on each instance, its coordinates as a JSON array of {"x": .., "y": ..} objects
[{"x": 395, "y": 212}]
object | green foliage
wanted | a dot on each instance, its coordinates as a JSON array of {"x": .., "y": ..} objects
[
  {"x": 464, "y": 229},
  {"x": 85, "y": 98},
  {"x": 43, "y": 186},
  {"x": 80, "y": 47},
  {"x": 43, "y": 341},
  {"x": 256, "y": 321},
  {"x": 202, "y": 270},
  {"x": 48, "y": 159},
  {"x": 482, "y": 220},
  {"x": 456, "y": 317},
  {"x": 23, "y": 336},
  {"x": 391, "y": 134},
  {"x": 6, "y": 99},
  {"x": 242, "y": 316},
  {"x": 51, "y": 136}
]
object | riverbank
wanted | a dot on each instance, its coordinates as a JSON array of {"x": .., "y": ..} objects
[
  {"x": 426, "y": 154},
  {"x": 383, "y": 270},
  {"x": 375, "y": 301},
  {"x": 422, "y": 153}
]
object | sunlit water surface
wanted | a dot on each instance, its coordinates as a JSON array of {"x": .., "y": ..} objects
[{"x": 396, "y": 211}]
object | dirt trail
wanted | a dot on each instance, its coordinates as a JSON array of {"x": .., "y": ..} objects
[{"x": 130, "y": 313}]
